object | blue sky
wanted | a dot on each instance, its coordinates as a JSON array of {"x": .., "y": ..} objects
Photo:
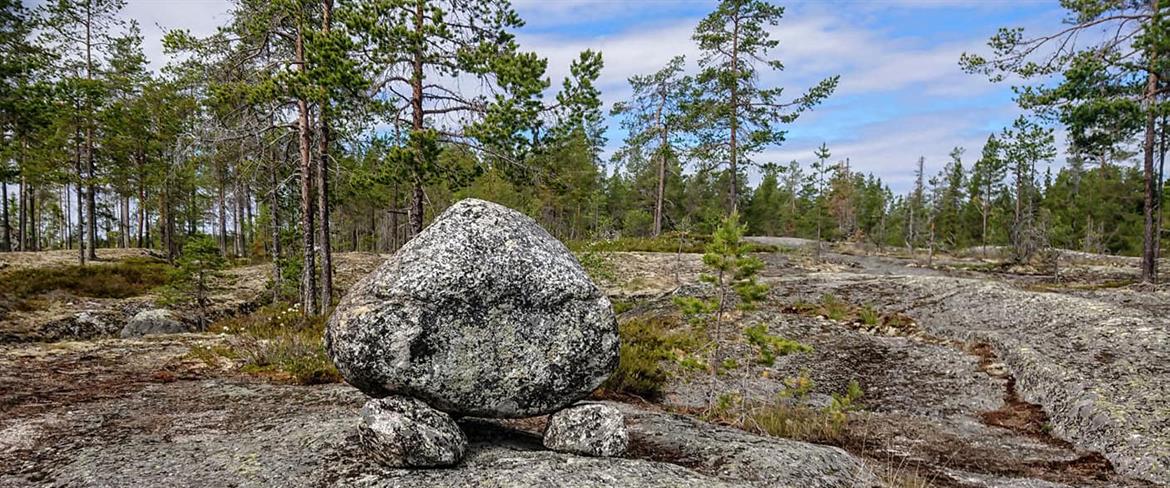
[{"x": 901, "y": 96}]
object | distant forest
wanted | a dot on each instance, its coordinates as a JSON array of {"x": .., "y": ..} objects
[{"x": 306, "y": 127}]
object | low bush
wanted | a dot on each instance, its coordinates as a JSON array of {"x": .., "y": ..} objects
[
  {"x": 832, "y": 307},
  {"x": 770, "y": 346},
  {"x": 277, "y": 342},
  {"x": 645, "y": 343}
]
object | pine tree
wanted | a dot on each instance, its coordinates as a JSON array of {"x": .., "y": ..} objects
[
  {"x": 739, "y": 117},
  {"x": 1109, "y": 86},
  {"x": 83, "y": 30},
  {"x": 733, "y": 274},
  {"x": 986, "y": 184},
  {"x": 415, "y": 43},
  {"x": 653, "y": 119},
  {"x": 1026, "y": 144}
]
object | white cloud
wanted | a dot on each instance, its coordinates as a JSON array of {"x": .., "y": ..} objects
[{"x": 156, "y": 17}]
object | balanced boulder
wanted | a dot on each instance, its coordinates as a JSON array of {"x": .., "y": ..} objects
[
  {"x": 481, "y": 314},
  {"x": 402, "y": 432},
  {"x": 590, "y": 430}
]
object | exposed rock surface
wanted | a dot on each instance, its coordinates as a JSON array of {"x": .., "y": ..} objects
[
  {"x": 732, "y": 454},
  {"x": 403, "y": 432},
  {"x": 482, "y": 314},
  {"x": 154, "y": 321},
  {"x": 1101, "y": 371},
  {"x": 590, "y": 429},
  {"x": 127, "y": 425}
]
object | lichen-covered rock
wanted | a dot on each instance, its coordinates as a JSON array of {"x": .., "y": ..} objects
[
  {"x": 156, "y": 321},
  {"x": 1094, "y": 366},
  {"x": 592, "y": 430},
  {"x": 482, "y": 314},
  {"x": 402, "y": 432}
]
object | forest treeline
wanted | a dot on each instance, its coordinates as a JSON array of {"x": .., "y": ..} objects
[{"x": 303, "y": 127}]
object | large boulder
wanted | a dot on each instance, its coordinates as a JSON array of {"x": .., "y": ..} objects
[
  {"x": 590, "y": 430},
  {"x": 403, "y": 432},
  {"x": 156, "y": 321},
  {"x": 482, "y": 314}
]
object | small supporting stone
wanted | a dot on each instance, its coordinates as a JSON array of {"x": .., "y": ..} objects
[
  {"x": 589, "y": 429},
  {"x": 403, "y": 432}
]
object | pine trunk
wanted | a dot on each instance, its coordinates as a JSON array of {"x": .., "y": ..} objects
[
  {"x": 4, "y": 211},
  {"x": 275, "y": 209},
  {"x": 22, "y": 215},
  {"x": 735, "y": 117},
  {"x": 308, "y": 269},
  {"x": 416, "y": 103},
  {"x": 1150, "y": 239},
  {"x": 141, "y": 205},
  {"x": 662, "y": 149},
  {"x": 80, "y": 211},
  {"x": 323, "y": 183},
  {"x": 91, "y": 197}
]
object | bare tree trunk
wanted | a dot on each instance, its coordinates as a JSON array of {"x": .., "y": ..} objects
[
  {"x": 22, "y": 217},
  {"x": 239, "y": 214},
  {"x": 1150, "y": 239},
  {"x": 394, "y": 218},
  {"x": 275, "y": 210},
  {"x": 308, "y": 270},
  {"x": 323, "y": 182},
  {"x": 4, "y": 205},
  {"x": 735, "y": 116},
  {"x": 125, "y": 222},
  {"x": 80, "y": 212},
  {"x": 141, "y": 203},
  {"x": 662, "y": 149},
  {"x": 221, "y": 203},
  {"x": 416, "y": 104},
  {"x": 91, "y": 193},
  {"x": 34, "y": 229}
]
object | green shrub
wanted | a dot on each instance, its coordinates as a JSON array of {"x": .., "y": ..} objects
[
  {"x": 645, "y": 343},
  {"x": 797, "y": 387},
  {"x": 622, "y": 306},
  {"x": 189, "y": 283},
  {"x": 598, "y": 266},
  {"x": 769, "y": 346}
]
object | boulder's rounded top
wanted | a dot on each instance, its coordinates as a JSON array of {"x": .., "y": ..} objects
[{"x": 488, "y": 249}]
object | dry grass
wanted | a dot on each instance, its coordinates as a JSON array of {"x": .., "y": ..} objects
[
  {"x": 133, "y": 277},
  {"x": 834, "y": 308},
  {"x": 670, "y": 242}
]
